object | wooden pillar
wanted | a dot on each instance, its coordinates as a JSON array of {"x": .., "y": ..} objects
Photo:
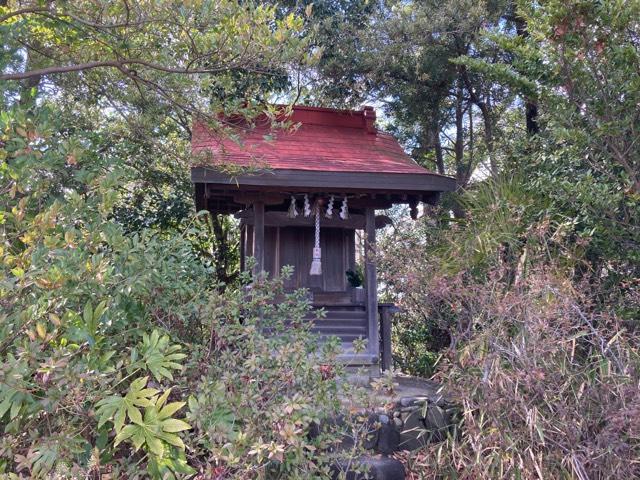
[
  {"x": 387, "y": 310},
  {"x": 371, "y": 281},
  {"x": 243, "y": 247},
  {"x": 385, "y": 333},
  {"x": 258, "y": 236}
]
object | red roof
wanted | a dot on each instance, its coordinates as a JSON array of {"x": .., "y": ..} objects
[{"x": 326, "y": 140}]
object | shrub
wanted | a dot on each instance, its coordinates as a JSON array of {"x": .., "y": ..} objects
[
  {"x": 85, "y": 308},
  {"x": 539, "y": 349},
  {"x": 258, "y": 396},
  {"x": 117, "y": 356},
  {"x": 430, "y": 267},
  {"x": 548, "y": 388}
]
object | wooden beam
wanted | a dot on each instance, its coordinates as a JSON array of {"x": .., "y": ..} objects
[
  {"x": 413, "y": 205},
  {"x": 371, "y": 281},
  {"x": 267, "y": 198},
  {"x": 309, "y": 180},
  {"x": 432, "y": 198},
  {"x": 258, "y": 237},
  {"x": 230, "y": 198},
  {"x": 281, "y": 219},
  {"x": 364, "y": 202},
  {"x": 200, "y": 192}
]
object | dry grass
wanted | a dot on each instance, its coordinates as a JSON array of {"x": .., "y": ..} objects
[{"x": 549, "y": 388}]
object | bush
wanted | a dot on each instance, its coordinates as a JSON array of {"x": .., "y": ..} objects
[
  {"x": 85, "y": 308},
  {"x": 538, "y": 347},
  {"x": 544, "y": 368},
  {"x": 258, "y": 395},
  {"x": 431, "y": 267},
  {"x": 119, "y": 357},
  {"x": 548, "y": 388}
]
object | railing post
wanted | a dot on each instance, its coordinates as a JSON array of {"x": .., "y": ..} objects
[
  {"x": 371, "y": 281},
  {"x": 387, "y": 310},
  {"x": 385, "y": 334}
]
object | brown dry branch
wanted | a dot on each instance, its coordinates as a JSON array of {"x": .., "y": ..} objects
[{"x": 549, "y": 388}]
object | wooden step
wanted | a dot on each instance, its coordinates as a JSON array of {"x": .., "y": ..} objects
[
  {"x": 355, "y": 329},
  {"x": 347, "y": 322},
  {"x": 346, "y": 338},
  {"x": 337, "y": 314},
  {"x": 341, "y": 329},
  {"x": 339, "y": 321}
]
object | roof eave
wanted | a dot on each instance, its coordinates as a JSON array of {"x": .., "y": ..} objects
[{"x": 311, "y": 180}]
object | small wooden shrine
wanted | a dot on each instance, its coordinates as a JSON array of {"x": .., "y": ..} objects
[{"x": 315, "y": 186}]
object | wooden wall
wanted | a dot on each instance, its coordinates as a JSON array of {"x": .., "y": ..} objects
[{"x": 294, "y": 246}]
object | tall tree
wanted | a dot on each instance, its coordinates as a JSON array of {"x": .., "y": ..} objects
[
  {"x": 136, "y": 73},
  {"x": 575, "y": 67},
  {"x": 403, "y": 57}
]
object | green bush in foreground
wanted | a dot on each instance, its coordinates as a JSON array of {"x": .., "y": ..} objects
[
  {"x": 258, "y": 395},
  {"x": 117, "y": 358}
]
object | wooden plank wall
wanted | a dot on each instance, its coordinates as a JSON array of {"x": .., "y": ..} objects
[{"x": 294, "y": 246}]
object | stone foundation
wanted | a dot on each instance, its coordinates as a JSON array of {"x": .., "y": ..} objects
[{"x": 414, "y": 414}]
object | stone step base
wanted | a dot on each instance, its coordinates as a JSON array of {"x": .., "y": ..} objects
[{"x": 376, "y": 467}]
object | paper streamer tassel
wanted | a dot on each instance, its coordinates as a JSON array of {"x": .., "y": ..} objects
[
  {"x": 316, "y": 264},
  {"x": 344, "y": 210},
  {"x": 329, "y": 212},
  {"x": 307, "y": 206},
  {"x": 293, "y": 211}
]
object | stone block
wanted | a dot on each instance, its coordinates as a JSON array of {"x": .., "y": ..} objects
[{"x": 376, "y": 467}]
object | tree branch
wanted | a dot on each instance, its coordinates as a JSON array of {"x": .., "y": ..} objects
[
  {"x": 59, "y": 69},
  {"x": 120, "y": 64},
  {"x": 23, "y": 11}
]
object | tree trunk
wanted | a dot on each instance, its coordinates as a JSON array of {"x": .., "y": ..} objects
[
  {"x": 439, "y": 155},
  {"x": 461, "y": 165},
  {"x": 487, "y": 118},
  {"x": 461, "y": 172},
  {"x": 27, "y": 93},
  {"x": 432, "y": 140},
  {"x": 488, "y": 135},
  {"x": 530, "y": 107}
]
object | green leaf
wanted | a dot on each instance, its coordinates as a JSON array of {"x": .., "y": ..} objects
[
  {"x": 193, "y": 403},
  {"x": 154, "y": 444},
  {"x": 118, "y": 421},
  {"x": 126, "y": 433},
  {"x": 43, "y": 459},
  {"x": 87, "y": 316},
  {"x": 174, "y": 425},
  {"x": 138, "y": 384},
  {"x": 138, "y": 438},
  {"x": 163, "y": 398},
  {"x": 134, "y": 415},
  {"x": 15, "y": 409},
  {"x": 170, "y": 409},
  {"x": 4, "y": 406},
  {"x": 99, "y": 311},
  {"x": 172, "y": 439},
  {"x": 115, "y": 407},
  {"x": 152, "y": 430},
  {"x": 159, "y": 357}
]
